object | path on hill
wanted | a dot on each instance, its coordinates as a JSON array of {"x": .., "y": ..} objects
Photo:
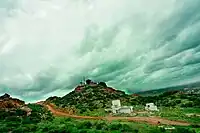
[{"x": 150, "y": 120}]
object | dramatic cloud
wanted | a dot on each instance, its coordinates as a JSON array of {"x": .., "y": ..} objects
[{"x": 47, "y": 46}]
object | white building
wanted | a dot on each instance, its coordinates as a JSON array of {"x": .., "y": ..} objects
[
  {"x": 151, "y": 107},
  {"x": 125, "y": 109},
  {"x": 116, "y": 104},
  {"x": 117, "y": 108}
]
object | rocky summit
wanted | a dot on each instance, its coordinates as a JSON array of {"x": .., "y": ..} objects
[{"x": 90, "y": 96}]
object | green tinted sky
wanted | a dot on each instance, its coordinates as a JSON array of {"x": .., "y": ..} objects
[{"x": 47, "y": 46}]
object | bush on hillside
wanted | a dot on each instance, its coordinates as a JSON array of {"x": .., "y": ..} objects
[
  {"x": 102, "y": 84},
  {"x": 88, "y": 81}
]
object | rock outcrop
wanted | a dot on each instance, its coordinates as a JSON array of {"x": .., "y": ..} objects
[{"x": 8, "y": 102}]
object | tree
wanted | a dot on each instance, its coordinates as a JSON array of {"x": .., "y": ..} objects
[
  {"x": 88, "y": 81},
  {"x": 103, "y": 84}
]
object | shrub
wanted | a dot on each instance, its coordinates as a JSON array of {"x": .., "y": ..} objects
[
  {"x": 71, "y": 129},
  {"x": 13, "y": 118},
  {"x": 100, "y": 125},
  {"x": 183, "y": 130},
  {"x": 195, "y": 126},
  {"x": 20, "y": 112},
  {"x": 125, "y": 128},
  {"x": 68, "y": 119},
  {"x": 83, "y": 131},
  {"x": 88, "y": 81},
  {"x": 26, "y": 120},
  {"x": 102, "y": 84},
  {"x": 85, "y": 125},
  {"x": 115, "y": 126}
]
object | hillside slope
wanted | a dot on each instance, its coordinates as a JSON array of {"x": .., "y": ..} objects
[
  {"x": 92, "y": 99},
  {"x": 8, "y": 102},
  {"x": 89, "y": 97},
  {"x": 14, "y": 114}
]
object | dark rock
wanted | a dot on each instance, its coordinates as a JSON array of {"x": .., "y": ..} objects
[{"x": 5, "y": 96}]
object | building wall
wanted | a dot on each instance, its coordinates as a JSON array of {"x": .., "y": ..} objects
[
  {"x": 125, "y": 110},
  {"x": 114, "y": 111},
  {"x": 152, "y": 108},
  {"x": 116, "y": 103}
]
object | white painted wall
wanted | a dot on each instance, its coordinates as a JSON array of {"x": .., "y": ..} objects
[
  {"x": 116, "y": 103},
  {"x": 151, "y": 106},
  {"x": 125, "y": 110}
]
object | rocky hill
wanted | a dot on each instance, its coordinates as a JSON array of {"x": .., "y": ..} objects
[
  {"x": 89, "y": 96},
  {"x": 14, "y": 113},
  {"x": 92, "y": 96},
  {"x": 13, "y": 107},
  {"x": 7, "y": 102}
]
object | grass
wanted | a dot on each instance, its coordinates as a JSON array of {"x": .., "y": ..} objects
[
  {"x": 100, "y": 126},
  {"x": 95, "y": 112},
  {"x": 179, "y": 114},
  {"x": 118, "y": 126},
  {"x": 191, "y": 110},
  {"x": 70, "y": 125}
]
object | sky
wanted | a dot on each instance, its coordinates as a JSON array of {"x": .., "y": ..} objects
[{"x": 48, "y": 46}]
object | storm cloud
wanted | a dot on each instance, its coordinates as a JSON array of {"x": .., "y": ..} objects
[{"x": 48, "y": 46}]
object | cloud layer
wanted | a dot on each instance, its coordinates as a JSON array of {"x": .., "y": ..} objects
[{"x": 47, "y": 46}]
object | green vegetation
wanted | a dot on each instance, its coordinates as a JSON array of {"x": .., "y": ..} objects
[
  {"x": 17, "y": 120},
  {"x": 177, "y": 114},
  {"x": 100, "y": 96},
  {"x": 95, "y": 112},
  {"x": 102, "y": 84},
  {"x": 68, "y": 125},
  {"x": 176, "y": 106},
  {"x": 191, "y": 110},
  {"x": 173, "y": 99},
  {"x": 90, "y": 99},
  {"x": 39, "y": 113}
]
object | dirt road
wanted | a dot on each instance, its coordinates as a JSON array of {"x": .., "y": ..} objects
[
  {"x": 59, "y": 113},
  {"x": 150, "y": 120}
]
